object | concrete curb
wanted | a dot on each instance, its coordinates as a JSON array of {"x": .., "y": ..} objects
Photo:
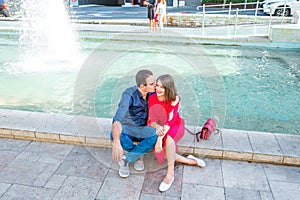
[{"x": 282, "y": 149}]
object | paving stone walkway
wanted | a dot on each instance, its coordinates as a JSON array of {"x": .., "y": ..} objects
[
  {"x": 74, "y": 166},
  {"x": 42, "y": 170}
]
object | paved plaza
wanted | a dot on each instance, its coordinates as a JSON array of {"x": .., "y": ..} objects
[
  {"x": 42, "y": 170},
  {"x": 46, "y": 156}
]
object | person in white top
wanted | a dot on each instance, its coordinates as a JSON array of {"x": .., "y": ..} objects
[{"x": 161, "y": 13}]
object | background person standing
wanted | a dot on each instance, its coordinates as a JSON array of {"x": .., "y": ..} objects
[
  {"x": 151, "y": 5},
  {"x": 161, "y": 13}
]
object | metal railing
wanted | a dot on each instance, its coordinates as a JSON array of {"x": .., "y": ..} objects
[{"x": 233, "y": 10}]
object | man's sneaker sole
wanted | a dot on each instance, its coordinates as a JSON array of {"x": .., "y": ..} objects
[
  {"x": 123, "y": 174},
  {"x": 124, "y": 169},
  {"x": 139, "y": 164}
]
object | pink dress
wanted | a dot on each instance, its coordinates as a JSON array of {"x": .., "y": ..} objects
[{"x": 159, "y": 112}]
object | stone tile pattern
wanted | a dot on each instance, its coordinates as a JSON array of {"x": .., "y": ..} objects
[
  {"x": 67, "y": 171},
  {"x": 90, "y": 131}
]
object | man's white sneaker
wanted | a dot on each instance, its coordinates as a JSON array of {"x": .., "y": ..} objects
[
  {"x": 139, "y": 164},
  {"x": 124, "y": 168}
]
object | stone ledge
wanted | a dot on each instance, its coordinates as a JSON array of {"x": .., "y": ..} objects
[
  {"x": 212, "y": 148},
  {"x": 285, "y": 33},
  {"x": 268, "y": 158}
]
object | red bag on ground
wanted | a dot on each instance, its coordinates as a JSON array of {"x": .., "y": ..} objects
[{"x": 208, "y": 128}]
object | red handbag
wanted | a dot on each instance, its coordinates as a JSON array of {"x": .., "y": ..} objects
[{"x": 208, "y": 128}]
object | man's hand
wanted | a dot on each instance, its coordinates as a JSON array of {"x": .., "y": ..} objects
[{"x": 117, "y": 152}]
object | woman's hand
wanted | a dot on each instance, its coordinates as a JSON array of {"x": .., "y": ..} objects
[
  {"x": 159, "y": 130},
  {"x": 166, "y": 128}
]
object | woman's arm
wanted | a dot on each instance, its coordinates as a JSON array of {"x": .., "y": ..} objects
[{"x": 173, "y": 110}]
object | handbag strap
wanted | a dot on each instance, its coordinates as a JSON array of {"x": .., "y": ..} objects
[
  {"x": 189, "y": 131},
  {"x": 192, "y": 133},
  {"x": 217, "y": 131}
]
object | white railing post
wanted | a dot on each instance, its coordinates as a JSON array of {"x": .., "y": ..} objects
[
  {"x": 245, "y": 5},
  {"x": 203, "y": 18},
  {"x": 256, "y": 10},
  {"x": 236, "y": 19},
  {"x": 229, "y": 13},
  {"x": 284, "y": 8},
  {"x": 270, "y": 20}
]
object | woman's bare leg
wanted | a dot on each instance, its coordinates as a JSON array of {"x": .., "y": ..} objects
[
  {"x": 181, "y": 159},
  {"x": 151, "y": 24},
  {"x": 170, "y": 154}
]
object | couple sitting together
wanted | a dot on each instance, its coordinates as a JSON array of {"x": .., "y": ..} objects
[{"x": 148, "y": 118}]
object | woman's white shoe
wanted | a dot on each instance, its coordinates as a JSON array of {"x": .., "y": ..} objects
[
  {"x": 200, "y": 162},
  {"x": 164, "y": 186}
]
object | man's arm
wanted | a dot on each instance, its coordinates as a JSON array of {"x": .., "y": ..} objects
[{"x": 117, "y": 149}]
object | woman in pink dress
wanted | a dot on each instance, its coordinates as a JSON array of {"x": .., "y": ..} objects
[{"x": 163, "y": 107}]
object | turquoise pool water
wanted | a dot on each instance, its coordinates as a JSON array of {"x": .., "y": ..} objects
[{"x": 259, "y": 87}]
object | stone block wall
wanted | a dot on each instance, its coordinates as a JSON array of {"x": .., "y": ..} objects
[
  {"x": 285, "y": 33},
  {"x": 195, "y": 20}
]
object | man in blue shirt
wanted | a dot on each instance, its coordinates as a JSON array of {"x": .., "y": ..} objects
[{"x": 130, "y": 124}]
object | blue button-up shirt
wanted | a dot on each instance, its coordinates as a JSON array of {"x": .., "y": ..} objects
[{"x": 133, "y": 109}]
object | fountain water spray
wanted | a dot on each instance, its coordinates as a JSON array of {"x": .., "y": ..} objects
[{"x": 48, "y": 37}]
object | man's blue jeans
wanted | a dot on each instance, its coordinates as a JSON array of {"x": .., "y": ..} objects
[{"x": 144, "y": 135}]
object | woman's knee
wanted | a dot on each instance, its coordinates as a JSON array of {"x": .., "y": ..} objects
[{"x": 169, "y": 140}]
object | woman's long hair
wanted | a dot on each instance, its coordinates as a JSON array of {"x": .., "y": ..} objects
[{"x": 168, "y": 84}]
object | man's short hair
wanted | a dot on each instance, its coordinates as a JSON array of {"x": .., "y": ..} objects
[{"x": 141, "y": 76}]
